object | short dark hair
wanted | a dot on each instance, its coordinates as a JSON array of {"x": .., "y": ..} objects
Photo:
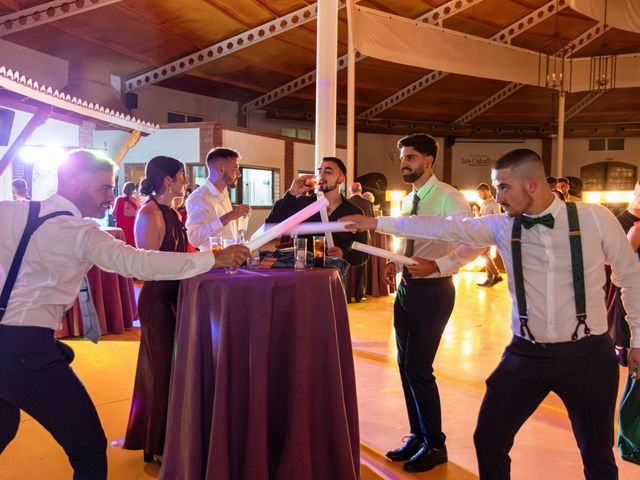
[
  {"x": 483, "y": 187},
  {"x": 515, "y": 158},
  {"x": 156, "y": 170},
  {"x": 551, "y": 180},
  {"x": 221, "y": 153},
  {"x": 338, "y": 162},
  {"x": 128, "y": 188},
  {"x": 20, "y": 185},
  {"x": 423, "y": 143},
  {"x": 563, "y": 180}
]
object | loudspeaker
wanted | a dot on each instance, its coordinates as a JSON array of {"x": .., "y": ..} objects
[
  {"x": 450, "y": 140},
  {"x": 6, "y": 123},
  {"x": 131, "y": 100}
]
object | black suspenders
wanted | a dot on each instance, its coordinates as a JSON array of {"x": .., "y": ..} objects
[
  {"x": 33, "y": 222},
  {"x": 577, "y": 268}
]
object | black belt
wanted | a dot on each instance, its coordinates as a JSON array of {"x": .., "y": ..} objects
[
  {"x": 414, "y": 282},
  {"x": 553, "y": 345}
]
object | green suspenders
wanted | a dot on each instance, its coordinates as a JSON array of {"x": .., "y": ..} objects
[{"x": 577, "y": 269}]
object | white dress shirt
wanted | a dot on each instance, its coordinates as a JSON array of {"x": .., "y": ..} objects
[
  {"x": 60, "y": 253},
  {"x": 205, "y": 206},
  {"x": 440, "y": 199},
  {"x": 547, "y": 270}
]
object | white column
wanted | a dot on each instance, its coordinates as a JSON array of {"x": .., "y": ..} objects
[
  {"x": 326, "y": 76},
  {"x": 351, "y": 99},
  {"x": 560, "y": 146}
]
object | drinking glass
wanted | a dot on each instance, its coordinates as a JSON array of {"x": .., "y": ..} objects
[
  {"x": 299, "y": 253},
  {"x": 227, "y": 242},
  {"x": 318, "y": 251},
  {"x": 215, "y": 243},
  {"x": 243, "y": 224},
  {"x": 254, "y": 260}
]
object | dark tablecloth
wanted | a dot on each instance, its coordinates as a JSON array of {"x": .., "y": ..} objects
[
  {"x": 263, "y": 383},
  {"x": 113, "y": 297},
  {"x": 375, "y": 281}
]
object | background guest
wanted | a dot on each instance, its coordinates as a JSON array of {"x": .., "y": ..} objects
[
  {"x": 157, "y": 227},
  {"x": 489, "y": 207},
  {"x": 209, "y": 209},
  {"x": 20, "y": 190},
  {"x": 355, "y": 190},
  {"x": 124, "y": 211}
]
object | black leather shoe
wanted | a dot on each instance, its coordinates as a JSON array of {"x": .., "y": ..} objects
[
  {"x": 426, "y": 459},
  {"x": 412, "y": 446},
  {"x": 487, "y": 283},
  {"x": 496, "y": 280},
  {"x": 148, "y": 457}
]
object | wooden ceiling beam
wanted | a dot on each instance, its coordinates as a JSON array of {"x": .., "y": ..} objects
[
  {"x": 547, "y": 10},
  {"x": 46, "y": 13},
  {"x": 220, "y": 49},
  {"x": 433, "y": 16},
  {"x": 570, "y": 49},
  {"x": 11, "y": 4}
]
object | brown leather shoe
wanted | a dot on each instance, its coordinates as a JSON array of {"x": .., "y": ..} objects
[
  {"x": 426, "y": 459},
  {"x": 410, "y": 447}
]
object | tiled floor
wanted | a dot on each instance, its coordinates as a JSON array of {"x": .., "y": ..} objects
[{"x": 472, "y": 345}]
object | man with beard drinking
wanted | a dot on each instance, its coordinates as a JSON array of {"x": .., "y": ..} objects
[
  {"x": 331, "y": 175},
  {"x": 424, "y": 302},
  {"x": 209, "y": 209}
]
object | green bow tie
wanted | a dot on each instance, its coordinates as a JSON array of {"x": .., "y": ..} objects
[{"x": 546, "y": 220}]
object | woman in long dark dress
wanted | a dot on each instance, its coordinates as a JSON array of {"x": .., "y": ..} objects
[{"x": 157, "y": 227}]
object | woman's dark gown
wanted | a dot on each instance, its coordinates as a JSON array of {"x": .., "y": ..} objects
[{"x": 157, "y": 311}]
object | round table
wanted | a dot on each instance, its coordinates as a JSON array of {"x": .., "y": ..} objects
[{"x": 263, "y": 383}]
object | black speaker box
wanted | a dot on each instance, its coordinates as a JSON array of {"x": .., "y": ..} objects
[{"x": 131, "y": 100}]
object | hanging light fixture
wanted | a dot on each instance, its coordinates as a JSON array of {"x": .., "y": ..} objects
[{"x": 602, "y": 73}]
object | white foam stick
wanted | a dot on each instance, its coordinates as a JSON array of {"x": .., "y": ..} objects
[
  {"x": 309, "y": 228},
  {"x": 325, "y": 218},
  {"x": 286, "y": 225},
  {"x": 381, "y": 252}
]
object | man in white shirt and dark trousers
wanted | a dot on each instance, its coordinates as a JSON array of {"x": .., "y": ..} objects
[
  {"x": 488, "y": 207},
  {"x": 558, "y": 318},
  {"x": 46, "y": 248},
  {"x": 209, "y": 209},
  {"x": 424, "y": 302}
]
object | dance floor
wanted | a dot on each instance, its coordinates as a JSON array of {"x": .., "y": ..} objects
[{"x": 472, "y": 345}]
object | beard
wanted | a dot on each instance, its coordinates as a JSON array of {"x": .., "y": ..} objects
[
  {"x": 411, "y": 177},
  {"x": 229, "y": 181},
  {"x": 325, "y": 187}
]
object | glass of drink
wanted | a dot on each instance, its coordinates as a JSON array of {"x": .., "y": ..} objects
[
  {"x": 215, "y": 243},
  {"x": 227, "y": 242},
  {"x": 254, "y": 260},
  {"x": 318, "y": 251},
  {"x": 299, "y": 253},
  {"x": 243, "y": 224}
]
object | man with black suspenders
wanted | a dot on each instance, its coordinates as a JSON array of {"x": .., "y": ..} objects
[
  {"x": 45, "y": 250},
  {"x": 555, "y": 254}
]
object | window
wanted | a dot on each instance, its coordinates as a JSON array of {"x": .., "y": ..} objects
[
  {"x": 608, "y": 176},
  {"x": 174, "y": 117},
  {"x": 196, "y": 173},
  {"x": 615, "y": 144},
  {"x": 601, "y": 144},
  {"x": 596, "y": 144},
  {"x": 302, "y": 133},
  {"x": 257, "y": 187}
]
